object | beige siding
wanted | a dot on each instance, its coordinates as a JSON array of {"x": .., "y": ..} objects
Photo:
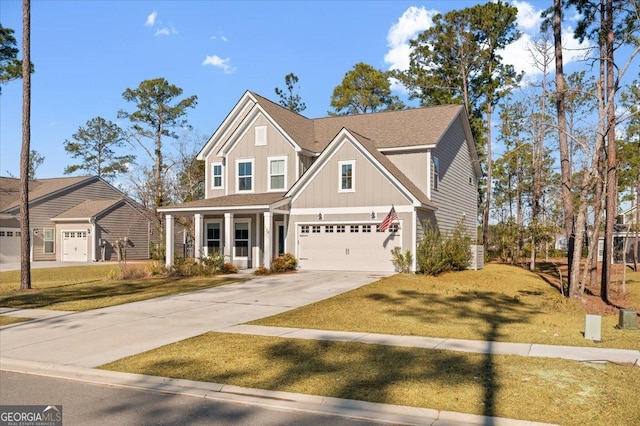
[
  {"x": 40, "y": 213},
  {"x": 414, "y": 165},
  {"x": 371, "y": 187},
  {"x": 456, "y": 196},
  {"x": 245, "y": 149},
  {"x": 118, "y": 223}
]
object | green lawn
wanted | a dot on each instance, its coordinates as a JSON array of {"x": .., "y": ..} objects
[
  {"x": 500, "y": 303},
  {"x": 91, "y": 287}
]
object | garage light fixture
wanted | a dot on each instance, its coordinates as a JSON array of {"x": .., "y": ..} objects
[
  {"x": 373, "y": 215},
  {"x": 320, "y": 216}
]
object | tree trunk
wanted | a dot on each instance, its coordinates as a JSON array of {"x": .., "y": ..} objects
[
  {"x": 565, "y": 160},
  {"x": 487, "y": 205},
  {"x": 25, "y": 237},
  {"x": 611, "y": 188}
]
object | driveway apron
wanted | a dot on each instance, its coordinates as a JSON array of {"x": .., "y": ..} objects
[{"x": 93, "y": 338}]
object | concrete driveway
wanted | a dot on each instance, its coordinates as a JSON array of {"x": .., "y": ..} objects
[{"x": 93, "y": 338}]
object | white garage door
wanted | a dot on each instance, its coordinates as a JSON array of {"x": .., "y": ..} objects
[
  {"x": 74, "y": 246},
  {"x": 9, "y": 245},
  {"x": 347, "y": 247}
]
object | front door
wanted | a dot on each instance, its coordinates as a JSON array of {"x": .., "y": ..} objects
[{"x": 281, "y": 236}]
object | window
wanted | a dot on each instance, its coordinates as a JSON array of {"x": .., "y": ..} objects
[
  {"x": 9, "y": 233},
  {"x": 354, "y": 228},
  {"x": 277, "y": 167},
  {"x": 216, "y": 175},
  {"x": 346, "y": 178},
  {"x": 2, "y": 233},
  {"x": 393, "y": 227},
  {"x": 261, "y": 135},
  {"x": 315, "y": 229},
  {"x": 340, "y": 228},
  {"x": 49, "y": 240},
  {"x": 245, "y": 175},
  {"x": 241, "y": 241},
  {"x": 304, "y": 229},
  {"x": 436, "y": 171},
  {"x": 328, "y": 228},
  {"x": 366, "y": 228},
  {"x": 212, "y": 239}
]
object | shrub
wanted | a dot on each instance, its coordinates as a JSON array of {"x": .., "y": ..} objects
[
  {"x": 437, "y": 253},
  {"x": 229, "y": 268},
  {"x": 156, "y": 268},
  {"x": 284, "y": 263},
  {"x": 261, "y": 271},
  {"x": 402, "y": 262},
  {"x": 212, "y": 264}
]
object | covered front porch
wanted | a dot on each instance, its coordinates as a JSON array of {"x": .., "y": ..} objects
[{"x": 249, "y": 230}]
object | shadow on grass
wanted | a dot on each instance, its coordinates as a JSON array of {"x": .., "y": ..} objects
[
  {"x": 489, "y": 309},
  {"x": 106, "y": 294}
]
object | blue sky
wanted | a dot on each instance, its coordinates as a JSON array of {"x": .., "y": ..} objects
[{"x": 86, "y": 53}]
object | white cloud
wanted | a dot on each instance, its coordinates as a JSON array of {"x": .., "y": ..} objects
[
  {"x": 151, "y": 19},
  {"x": 165, "y": 31},
  {"x": 528, "y": 17},
  {"x": 221, "y": 38},
  {"x": 218, "y": 62},
  {"x": 412, "y": 22}
]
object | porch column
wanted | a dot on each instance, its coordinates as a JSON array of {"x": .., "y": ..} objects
[
  {"x": 168, "y": 223},
  {"x": 228, "y": 237},
  {"x": 197, "y": 237},
  {"x": 268, "y": 241}
]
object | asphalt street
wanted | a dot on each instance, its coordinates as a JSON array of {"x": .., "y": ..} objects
[{"x": 87, "y": 404}]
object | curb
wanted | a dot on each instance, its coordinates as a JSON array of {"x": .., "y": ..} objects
[{"x": 362, "y": 410}]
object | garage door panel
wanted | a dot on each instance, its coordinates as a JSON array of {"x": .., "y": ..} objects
[
  {"x": 74, "y": 246},
  {"x": 356, "y": 251},
  {"x": 9, "y": 245}
]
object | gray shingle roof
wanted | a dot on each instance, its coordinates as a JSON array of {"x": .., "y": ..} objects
[
  {"x": 234, "y": 200},
  {"x": 87, "y": 209},
  {"x": 38, "y": 188}
]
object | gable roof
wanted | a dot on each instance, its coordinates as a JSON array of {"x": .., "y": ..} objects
[
  {"x": 38, "y": 189},
  {"x": 369, "y": 151},
  {"x": 387, "y": 130}
]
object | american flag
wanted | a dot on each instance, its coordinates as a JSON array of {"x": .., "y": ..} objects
[{"x": 389, "y": 219}]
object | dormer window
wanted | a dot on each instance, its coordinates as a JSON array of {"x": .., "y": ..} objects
[{"x": 346, "y": 177}]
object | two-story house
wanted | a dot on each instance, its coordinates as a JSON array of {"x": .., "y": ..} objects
[{"x": 278, "y": 182}]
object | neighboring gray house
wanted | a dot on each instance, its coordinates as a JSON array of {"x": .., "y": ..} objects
[
  {"x": 318, "y": 188},
  {"x": 79, "y": 219}
]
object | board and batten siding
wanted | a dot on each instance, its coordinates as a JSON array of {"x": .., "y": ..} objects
[
  {"x": 457, "y": 194},
  {"x": 371, "y": 187},
  {"x": 245, "y": 149},
  {"x": 118, "y": 223},
  {"x": 41, "y": 212}
]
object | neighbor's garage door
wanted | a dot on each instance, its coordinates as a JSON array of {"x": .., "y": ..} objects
[
  {"x": 74, "y": 246},
  {"x": 9, "y": 245},
  {"x": 347, "y": 247}
]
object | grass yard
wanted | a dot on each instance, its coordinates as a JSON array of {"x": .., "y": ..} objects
[
  {"x": 500, "y": 303},
  {"x": 81, "y": 288},
  {"x": 7, "y": 320},
  {"x": 535, "y": 389}
]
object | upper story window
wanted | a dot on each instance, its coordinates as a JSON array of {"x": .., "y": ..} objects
[
  {"x": 216, "y": 175},
  {"x": 245, "y": 175},
  {"x": 435, "y": 171},
  {"x": 277, "y": 173},
  {"x": 346, "y": 178},
  {"x": 261, "y": 135}
]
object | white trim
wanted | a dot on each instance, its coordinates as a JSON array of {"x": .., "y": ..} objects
[
  {"x": 285, "y": 172},
  {"x": 260, "y": 135},
  {"x": 429, "y": 175},
  {"x": 44, "y": 240},
  {"x": 351, "y": 163},
  {"x": 236, "y": 209},
  {"x": 407, "y": 148},
  {"x": 213, "y": 176},
  {"x": 414, "y": 241},
  {"x": 346, "y": 222},
  {"x": 72, "y": 219},
  {"x": 381, "y": 211},
  {"x": 253, "y": 175}
]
